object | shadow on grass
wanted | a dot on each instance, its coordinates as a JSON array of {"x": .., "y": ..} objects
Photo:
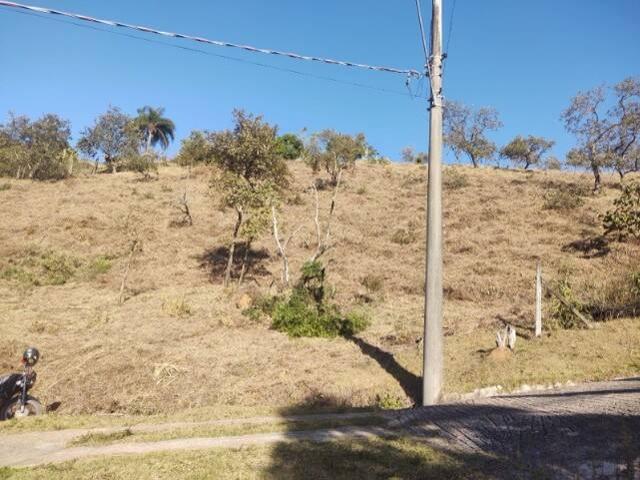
[
  {"x": 410, "y": 383},
  {"x": 397, "y": 458},
  {"x": 589, "y": 247},
  {"x": 610, "y": 312},
  {"x": 215, "y": 261}
]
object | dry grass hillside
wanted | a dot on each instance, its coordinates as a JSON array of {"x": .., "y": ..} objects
[{"x": 180, "y": 340}]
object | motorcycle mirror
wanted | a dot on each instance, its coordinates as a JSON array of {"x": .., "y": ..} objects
[{"x": 30, "y": 356}]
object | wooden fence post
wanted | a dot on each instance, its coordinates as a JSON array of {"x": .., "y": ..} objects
[{"x": 538, "y": 299}]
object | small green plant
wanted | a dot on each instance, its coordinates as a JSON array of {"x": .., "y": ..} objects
[
  {"x": 5, "y": 186},
  {"x": 562, "y": 200},
  {"x": 262, "y": 306},
  {"x": 306, "y": 312},
  {"x": 404, "y": 236},
  {"x": 177, "y": 307},
  {"x": 561, "y": 313},
  {"x": 389, "y": 401},
  {"x": 361, "y": 191},
  {"x": 454, "y": 180},
  {"x": 624, "y": 219},
  {"x": 98, "y": 266}
]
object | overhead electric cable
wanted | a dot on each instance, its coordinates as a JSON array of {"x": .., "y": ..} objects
[
  {"x": 219, "y": 43},
  {"x": 217, "y": 55}
]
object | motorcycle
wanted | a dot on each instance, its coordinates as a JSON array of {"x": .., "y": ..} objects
[{"x": 14, "y": 400}]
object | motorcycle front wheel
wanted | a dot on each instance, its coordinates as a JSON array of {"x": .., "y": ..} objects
[{"x": 12, "y": 409}]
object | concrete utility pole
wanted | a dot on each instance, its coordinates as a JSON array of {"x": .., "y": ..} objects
[{"x": 433, "y": 362}]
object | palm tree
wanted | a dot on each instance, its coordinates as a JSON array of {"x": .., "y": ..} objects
[{"x": 154, "y": 127}]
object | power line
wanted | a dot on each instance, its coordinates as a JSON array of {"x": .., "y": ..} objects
[
  {"x": 453, "y": 13},
  {"x": 422, "y": 34},
  {"x": 219, "y": 43},
  {"x": 224, "y": 57}
]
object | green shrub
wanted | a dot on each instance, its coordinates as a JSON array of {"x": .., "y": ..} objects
[
  {"x": 306, "y": 313},
  {"x": 624, "y": 219},
  {"x": 561, "y": 313},
  {"x": 143, "y": 164},
  {"x": 361, "y": 191},
  {"x": 562, "y": 200},
  {"x": 5, "y": 186}
]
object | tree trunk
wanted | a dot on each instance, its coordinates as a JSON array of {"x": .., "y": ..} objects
[
  {"x": 95, "y": 167},
  {"x": 243, "y": 270},
  {"x": 474, "y": 161},
  {"x": 597, "y": 178},
  {"x": 232, "y": 248},
  {"x": 149, "y": 137},
  {"x": 621, "y": 172}
]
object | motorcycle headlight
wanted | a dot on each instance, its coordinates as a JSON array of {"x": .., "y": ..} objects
[{"x": 30, "y": 356}]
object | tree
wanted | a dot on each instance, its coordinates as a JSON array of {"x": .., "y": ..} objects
[
  {"x": 155, "y": 128},
  {"x": 250, "y": 172},
  {"x": 552, "y": 163},
  {"x": 409, "y": 155},
  {"x": 586, "y": 121},
  {"x": 526, "y": 150},
  {"x": 465, "y": 130},
  {"x": 334, "y": 152},
  {"x": 290, "y": 146},
  {"x": 195, "y": 149},
  {"x": 35, "y": 149},
  {"x": 113, "y": 135},
  {"x": 623, "y": 140},
  {"x": 606, "y": 137}
]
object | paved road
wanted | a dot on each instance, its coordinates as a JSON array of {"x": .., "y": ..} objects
[{"x": 592, "y": 430}]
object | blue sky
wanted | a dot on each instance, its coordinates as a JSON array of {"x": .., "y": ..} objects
[{"x": 524, "y": 58}]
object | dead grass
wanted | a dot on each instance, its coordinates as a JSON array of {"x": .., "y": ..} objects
[{"x": 98, "y": 356}]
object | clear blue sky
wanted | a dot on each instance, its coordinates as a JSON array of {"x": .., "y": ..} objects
[{"x": 524, "y": 58}]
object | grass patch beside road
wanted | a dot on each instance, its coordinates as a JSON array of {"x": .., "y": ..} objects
[{"x": 371, "y": 459}]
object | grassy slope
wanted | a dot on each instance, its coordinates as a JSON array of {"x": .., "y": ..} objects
[{"x": 143, "y": 357}]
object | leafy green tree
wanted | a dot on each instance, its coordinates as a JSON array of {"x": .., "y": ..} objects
[
  {"x": 35, "y": 149},
  {"x": 465, "y": 130},
  {"x": 250, "y": 173},
  {"x": 334, "y": 152},
  {"x": 195, "y": 149},
  {"x": 526, "y": 150},
  {"x": 155, "y": 128},
  {"x": 624, "y": 219},
  {"x": 290, "y": 146},
  {"x": 113, "y": 136}
]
